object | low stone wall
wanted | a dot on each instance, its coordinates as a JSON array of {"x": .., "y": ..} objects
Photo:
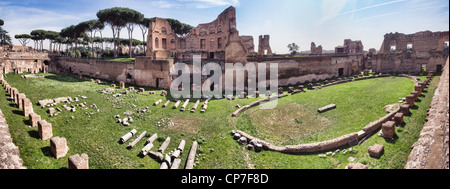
[
  {"x": 9, "y": 153},
  {"x": 431, "y": 151}
]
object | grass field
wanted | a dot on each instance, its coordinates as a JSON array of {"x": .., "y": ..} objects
[{"x": 294, "y": 121}]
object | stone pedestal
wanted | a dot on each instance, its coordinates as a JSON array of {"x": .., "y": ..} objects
[
  {"x": 79, "y": 162},
  {"x": 376, "y": 150},
  {"x": 44, "y": 130},
  {"x": 20, "y": 97},
  {"x": 58, "y": 147},
  {"x": 27, "y": 107},
  {"x": 410, "y": 100},
  {"x": 398, "y": 118},
  {"x": 388, "y": 129},
  {"x": 405, "y": 109},
  {"x": 34, "y": 118},
  {"x": 310, "y": 86}
]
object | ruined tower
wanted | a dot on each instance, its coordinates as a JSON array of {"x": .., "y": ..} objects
[{"x": 264, "y": 46}]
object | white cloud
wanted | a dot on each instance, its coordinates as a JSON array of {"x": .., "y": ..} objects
[{"x": 331, "y": 9}]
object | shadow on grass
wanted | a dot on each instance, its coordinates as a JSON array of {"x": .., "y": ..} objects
[
  {"x": 18, "y": 112},
  {"x": 392, "y": 140},
  {"x": 33, "y": 134},
  {"x": 46, "y": 151}
]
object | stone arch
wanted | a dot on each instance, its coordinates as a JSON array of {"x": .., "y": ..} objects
[{"x": 202, "y": 31}]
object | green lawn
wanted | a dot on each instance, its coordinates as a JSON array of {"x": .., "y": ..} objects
[{"x": 97, "y": 133}]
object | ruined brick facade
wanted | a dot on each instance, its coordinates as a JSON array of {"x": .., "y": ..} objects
[
  {"x": 413, "y": 52},
  {"x": 20, "y": 62},
  {"x": 350, "y": 47},
  {"x": 316, "y": 50},
  {"x": 264, "y": 46},
  {"x": 210, "y": 40}
]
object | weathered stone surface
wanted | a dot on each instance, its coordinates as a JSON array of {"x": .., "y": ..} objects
[
  {"x": 45, "y": 130},
  {"x": 405, "y": 109},
  {"x": 9, "y": 153},
  {"x": 34, "y": 118},
  {"x": 398, "y": 118},
  {"x": 127, "y": 136},
  {"x": 58, "y": 147},
  {"x": 356, "y": 166},
  {"x": 21, "y": 96},
  {"x": 27, "y": 107},
  {"x": 51, "y": 110},
  {"x": 139, "y": 138},
  {"x": 191, "y": 156},
  {"x": 79, "y": 162},
  {"x": 376, "y": 150},
  {"x": 327, "y": 108},
  {"x": 388, "y": 129}
]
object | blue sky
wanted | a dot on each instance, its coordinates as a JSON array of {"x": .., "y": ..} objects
[{"x": 325, "y": 22}]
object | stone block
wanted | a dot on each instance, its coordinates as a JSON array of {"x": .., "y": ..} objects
[
  {"x": 327, "y": 108},
  {"x": 356, "y": 166},
  {"x": 20, "y": 97},
  {"x": 301, "y": 87},
  {"x": 416, "y": 95},
  {"x": 405, "y": 109},
  {"x": 79, "y": 162},
  {"x": 131, "y": 88},
  {"x": 141, "y": 90},
  {"x": 27, "y": 107},
  {"x": 388, "y": 129},
  {"x": 58, "y": 147},
  {"x": 310, "y": 86},
  {"x": 280, "y": 90},
  {"x": 291, "y": 90},
  {"x": 410, "y": 100},
  {"x": 398, "y": 118},
  {"x": 376, "y": 150},
  {"x": 121, "y": 85},
  {"x": 34, "y": 118},
  {"x": 44, "y": 130},
  {"x": 113, "y": 85},
  {"x": 51, "y": 110}
]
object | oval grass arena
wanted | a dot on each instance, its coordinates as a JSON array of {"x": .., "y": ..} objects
[{"x": 295, "y": 119}]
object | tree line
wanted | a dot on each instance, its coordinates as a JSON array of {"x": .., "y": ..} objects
[{"x": 84, "y": 33}]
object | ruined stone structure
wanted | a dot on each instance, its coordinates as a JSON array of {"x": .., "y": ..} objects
[
  {"x": 218, "y": 39},
  {"x": 350, "y": 47},
  {"x": 411, "y": 53},
  {"x": 264, "y": 46},
  {"x": 20, "y": 62},
  {"x": 315, "y": 50}
]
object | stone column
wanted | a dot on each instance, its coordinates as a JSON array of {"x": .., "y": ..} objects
[
  {"x": 27, "y": 106},
  {"x": 34, "y": 118},
  {"x": 58, "y": 147},
  {"x": 44, "y": 129}
]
